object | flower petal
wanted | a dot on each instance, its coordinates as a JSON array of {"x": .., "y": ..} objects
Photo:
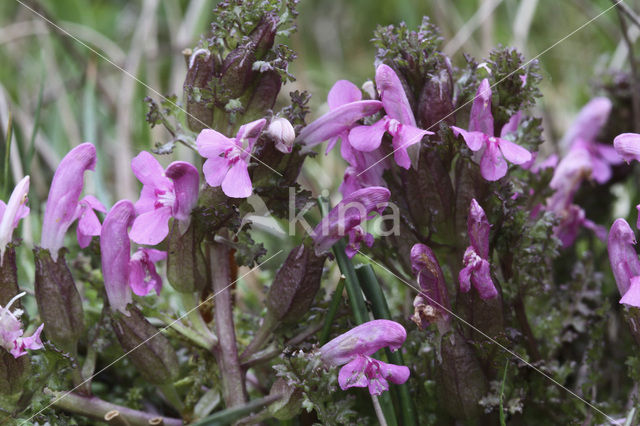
[
  {"x": 215, "y": 169},
  {"x": 632, "y": 295},
  {"x": 152, "y": 227},
  {"x": 393, "y": 96},
  {"x": 343, "y": 92},
  {"x": 628, "y": 146},
  {"x": 88, "y": 226},
  {"x": 211, "y": 143},
  {"x": 512, "y": 124},
  {"x": 481, "y": 279},
  {"x": 237, "y": 183},
  {"x": 367, "y": 138},
  {"x": 352, "y": 374},
  {"x": 492, "y": 165},
  {"x": 474, "y": 140},
  {"x": 481, "y": 119},
  {"x": 149, "y": 171},
  {"x": 622, "y": 255},
  {"x": 514, "y": 153},
  {"x": 336, "y": 121},
  {"x": 186, "y": 182}
]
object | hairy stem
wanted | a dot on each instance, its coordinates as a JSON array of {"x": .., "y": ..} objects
[
  {"x": 226, "y": 351},
  {"x": 96, "y": 408}
]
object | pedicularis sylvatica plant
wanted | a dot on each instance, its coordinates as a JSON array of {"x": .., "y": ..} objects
[{"x": 480, "y": 280}]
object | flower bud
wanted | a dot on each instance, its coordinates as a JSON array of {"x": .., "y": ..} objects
[
  {"x": 59, "y": 302},
  {"x": 627, "y": 145},
  {"x": 9, "y": 277},
  {"x": 13, "y": 374},
  {"x": 432, "y": 304},
  {"x": 186, "y": 267},
  {"x": 436, "y": 101},
  {"x": 146, "y": 347},
  {"x": 290, "y": 403},
  {"x": 200, "y": 73},
  {"x": 461, "y": 382},
  {"x": 282, "y": 134},
  {"x": 295, "y": 285}
]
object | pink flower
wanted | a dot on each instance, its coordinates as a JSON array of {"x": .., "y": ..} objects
[
  {"x": 228, "y": 159},
  {"x": 11, "y": 331},
  {"x": 480, "y": 137},
  {"x": 624, "y": 262},
  {"x": 477, "y": 270},
  {"x": 399, "y": 122},
  {"x": 346, "y": 217},
  {"x": 345, "y": 109},
  {"x": 165, "y": 194},
  {"x": 11, "y": 213},
  {"x": 88, "y": 223},
  {"x": 353, "y": 350},
  {"x": 63, "y": 207},
  {"x": 123, "y": 272}
]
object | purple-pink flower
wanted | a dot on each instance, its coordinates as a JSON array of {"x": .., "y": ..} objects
[
  {"x": 122, "y": 271},
  {"x": 494, "y": 151},
  {"x": 63, "y": 207},
  {"x": 477, "y": 270},
  {"x": 345, "y": 219},
  {"x": 624, "y": 262},
  {"x": 353, "y": 351},
  {"x": 227, "y": 162},
  {"x": 345, "y": 109},
  {"x": 399, "y": 120},
  {"x": 165, "y": 194},
  {"x": 12, "y": 212},
  {"x": 11, "y": 331}
]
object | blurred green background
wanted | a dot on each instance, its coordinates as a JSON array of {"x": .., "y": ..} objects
[{"x": 60, "y": 93}]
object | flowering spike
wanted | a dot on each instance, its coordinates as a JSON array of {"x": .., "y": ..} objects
[
  {"x": 347, "y": 215},
  {"x": 354, "y": 348},
  {"x": 62, "y": 205},
  {"x": 115, "y": 248},
  {"x": 12, "y": 212}
]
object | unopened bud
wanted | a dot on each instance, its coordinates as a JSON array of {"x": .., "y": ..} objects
[
  {"x": 282, "y": 134},
  {"x": 295, "y": 285},
  {"x": 9, "y": 277},
  {"x": 290, "y": 403},
  {"x": 13, "y": 374},
  {"x": 146, "y": 347},
  {"x": 59, "y": 302},
  {"x": 186, "y": 268},
  {"x": 436, "y": 101},
  {"x": 200, "y": 73}
]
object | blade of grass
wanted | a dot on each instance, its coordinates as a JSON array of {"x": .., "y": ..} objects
[
  {"x": 7, "y": 155},
  {"x": 36, "y": 124},
  {"x": 331, "y": 313},
  {"x": 503, "y": 421},
  {"x": 380, "y": 308},
  {"x": 231, "y": 415}
]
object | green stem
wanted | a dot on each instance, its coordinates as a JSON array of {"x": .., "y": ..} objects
[
  {"x": 187, "y": 332},
  {"x": 331, "y": 313},
  {"x": 169, "y": 392},
  {"x": 190, "y": 304},
  {"x": 378, "y": 409},
  {"x": 380, "y": 309}
]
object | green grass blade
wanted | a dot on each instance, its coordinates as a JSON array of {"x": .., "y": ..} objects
[
  {"x": 503, "y": 421},
  {"x": 7, "y": 155},
  {"x": 331, "y": 313}
]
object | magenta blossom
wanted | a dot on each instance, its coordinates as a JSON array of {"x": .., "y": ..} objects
[
  {"x": 345, "y": 217},
  {"x": 165, "y": 194},
  {"x": 353, "y": 350},
  {"x": 432, "y": 303},
  {"x": 399, "y": 122},
  {"x": 583, "y": 133},
  {"x": 12, "y": 212},
  {"x": 88, "y": 222},
  {"x": 345, "y": 109},
  {"x": 624, "y": 262},
  {"x": 123, "y": 272},
  {"x": 63, "y": 207},
  {"x": 11, "y": 331},
  {"x": 228, "y": 159},
  {"x": 627, "y": 145},
  {"x": 480, "y": 137},
  {"x": 477, "y": 270}
]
